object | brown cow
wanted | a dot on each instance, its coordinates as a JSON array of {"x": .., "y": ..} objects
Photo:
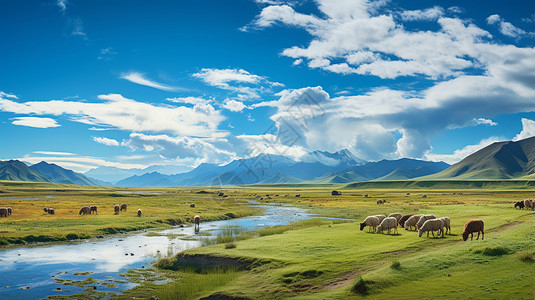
[{"x": 85, "y": 210}]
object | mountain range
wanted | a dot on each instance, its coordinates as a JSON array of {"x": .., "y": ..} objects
[{"x": 500, "y": 160}]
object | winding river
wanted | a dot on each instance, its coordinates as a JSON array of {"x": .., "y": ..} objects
[{"x": 31, "y": 272}]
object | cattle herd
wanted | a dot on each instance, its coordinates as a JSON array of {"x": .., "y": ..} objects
[
  {"x": 85, "y": 210},
  {"x": 421, "y": 223}
]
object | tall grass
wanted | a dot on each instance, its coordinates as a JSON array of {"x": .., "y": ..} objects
[{"x": 192, "y": 285}]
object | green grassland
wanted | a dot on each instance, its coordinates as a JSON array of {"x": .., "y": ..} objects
[
  {"x": 161, "y": 208},
  {"x": 332, "y": 259}
]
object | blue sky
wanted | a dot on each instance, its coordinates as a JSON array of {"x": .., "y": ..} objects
[{"x": 139, "y": 83}]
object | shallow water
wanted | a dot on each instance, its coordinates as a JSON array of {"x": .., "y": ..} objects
[{"x": 38, "y": 267}]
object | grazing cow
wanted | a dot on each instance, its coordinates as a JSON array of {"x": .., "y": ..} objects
[
  {"x": 197, "y": 221},
  {"x": 123, "y": 207},
  {"x": 139, "y": 212},
  {"x": 116, "y": 209},
  {"x": 93, "y": 209},
  {"x": 3, "y": 212},
  {"x": 85, "y": 210}
]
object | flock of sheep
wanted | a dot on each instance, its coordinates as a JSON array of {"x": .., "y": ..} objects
[
  {"x": 421, "y": 223},
  {"x": 116, "y": 209}
]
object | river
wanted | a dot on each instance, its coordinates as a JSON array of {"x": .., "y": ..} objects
[{"x": 31, "y": 272}]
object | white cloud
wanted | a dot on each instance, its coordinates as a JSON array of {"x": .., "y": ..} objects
[
  {"x": 233, "y": 105},
  {"x": 116, "y": 111},
  {"x": 140, "y": 79},
  {"x": 6, "y": 95},
  {"x": 62, "y": 4},
  {"x": 80, "y": 163},
  {"x": 422, "y": 15},
  {"x": 506, "y": 28},
  {"x": 106, "y": 141},
  {"x": 245, "y": 84},
  {"x": 35, "y": 122},
  {"x": 460, "y": 154},
  {"x": 483, "y": 121},
  {"x": 528, "y": 130},
  {"x": 190, "y": 100},
  {"x": 54, "y": 153}
]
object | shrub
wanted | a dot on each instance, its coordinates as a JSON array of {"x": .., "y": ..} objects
[
  {"x": 230, "y": 245},
  {"x": 361, "y": 287},
  {"x": 396, "y": 265},
  {"x": 493, "y": 251},
  {"x": 526, "y": 256}
]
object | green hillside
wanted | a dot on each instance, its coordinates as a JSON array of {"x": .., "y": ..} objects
[{"x": 18, "y": 171}]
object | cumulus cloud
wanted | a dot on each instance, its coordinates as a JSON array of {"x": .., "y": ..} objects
[
  {"x": 506, "y": 28},
  {"x": 35, "y": 122},
  {"x": 233, "y": 105},
  {"x": 190, "y": 100},
  {"x": 528, "y": 130},
  {"x": 139, "y": 78},
  {"x": 245, "y": 84},
  {"x": 106, "y": 141},
  {"x": 422, "y": 15},
  {"x": 116, "y": 111},
  {"x": 6, "y": 95}
]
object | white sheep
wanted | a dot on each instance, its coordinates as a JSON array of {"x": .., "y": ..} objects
[
  {"x": 432, "y": 225},
  {"x": 372, "y": 222},
  {"x": 446, "y": 221},
  {"x": 380, "y": 217},
  {"x": 422, "y": 220},
  {"x": 396, "y": 215},
  {"x": 411, "y": 222},
  {"x": 387, "y": 224}
]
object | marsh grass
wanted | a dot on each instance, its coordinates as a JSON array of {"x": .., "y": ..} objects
[{"x": 192, "y": 284}]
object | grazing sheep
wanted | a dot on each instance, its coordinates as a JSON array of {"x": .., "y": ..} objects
[
  {"x": 116, "y": 209},
  {"x": 93, "y": 209},
  {"x": 221, "y": 194},
  {"x": 411, "y": 222},
  {"x": 9, "y": 211},
  {"x": 84, "y": 210},
  {"x": 380, "y": 217},
  {"x": 366, "y": 196},
  {"x": 197, "y": 221},
  {"x": 403, "y": 219},
  {"x": 528, "y": 204},
  {"x": 45, "y": 209},
  {"x": 387, "y": 224},
  {"x": 123, "y": 207},
  {"x": 424, "y": 196},
  {"x": 192, "y": 205},
  {"x": 422, "y": 220},
  {"x": 446, "y": 221},
  {"x": 298, "y": 195},
  {"x": 51, "y": 211},
  {"x": 336, "y": 193},
  {"x": 3, "y": 212},
  {"x": 519, "y": 204},
  {"x": 473, "y": 226},
  {"x": 432, "y": 225},
  {"x": 395, "y": 215},
  {"x": 379, "y": 201},
  {"x": 139, "y": 212},
  {"x": 372, "y": 222}
]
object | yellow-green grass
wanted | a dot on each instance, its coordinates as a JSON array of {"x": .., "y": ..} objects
[
  {"x": 326, "y": 260},
  {"x": 29, "y": 222}
]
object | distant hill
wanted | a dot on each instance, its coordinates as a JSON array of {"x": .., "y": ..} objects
[
  {"x": 148, "y": 179},
  {"x": 19, "y": 171},
  {"x": 400, "y": 169},
  {"x": 57, "y": 174},
  {"x": 500, "y": 160}
]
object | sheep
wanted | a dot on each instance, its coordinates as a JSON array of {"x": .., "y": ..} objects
[
  {"x": 85, "y": 210},
  {"x": 411, "y": 222},
  {"x": 473, "y": 226},
  {"x": 424, "y": 218},
  {"x": 116, "y": 209},
  {"x": 3, "y": 212},
  {"x": 371, "y": 221},
  {"x": 192, "y": 205},
  {"x": 123, "y": 207},
  {"x": 298, "y": 195},
  {"x": 379, "y": 201},
  {"x": 519, "y": 204},
  {"x": 388, "y": 223},
  {"x": 403, "y": 219},
  {"x": 197, "y": 221},
  {"x": 9, "y": 211},
  {"x": 380, "y": 217},
  {"x": 336, "y": 193},
  {"x": 432, "y": 225},
  {"x": 424, "y": 196},
  {"x": 51, "y": 211},
  {"x": 93, "y": 209},
  {"x": 528, "y": 204},
  {"x": 395, "y": 215},
  {"x": 446, "y": 221},
  {"x": 139, "y": 212}
]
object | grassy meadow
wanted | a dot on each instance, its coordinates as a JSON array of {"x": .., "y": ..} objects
[
  {"x": 161, "y": 208},
  {"x": 332, "y": 259}
]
